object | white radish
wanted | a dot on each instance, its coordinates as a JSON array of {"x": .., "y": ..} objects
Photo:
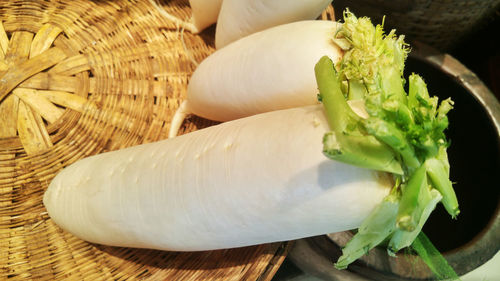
[
  {"x": 269, "y": 70},
  {"x": 203, "y": 14},
  {"x": 250, "y": 181},
  {"x": 240, "y": 18}
]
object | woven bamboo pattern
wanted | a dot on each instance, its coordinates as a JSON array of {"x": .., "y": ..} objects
[{"x": 79, "y": 78}]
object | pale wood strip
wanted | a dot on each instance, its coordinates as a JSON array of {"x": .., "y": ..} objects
[
  {"x": 65, "y": 99},
  {"x": 39, "y": 104},
  {"x": 32, "y": 132},
  {"x": 71, "y": 65},
  {"x": 8, "y": 117},
  {"x": 3, "y": 65},
  {"x": 15, "y": 75},
  {"x": 19, "y": 47},
  {"x": 4, "y": 40},
  {"x": 48, "y": 81},
  {"x": 44, "y": 38}
]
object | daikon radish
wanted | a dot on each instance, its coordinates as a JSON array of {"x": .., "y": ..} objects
[
  {"x": 240, "y": 18},
  {"x": 203, "y": 14},
  {"x": 254, "y": 180},
  {"x": 269, "y": 70}
]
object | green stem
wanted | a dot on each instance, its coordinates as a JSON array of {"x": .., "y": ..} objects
[
  {"x": 402, "y": 238},
  {"x": 434, "y": 260},
  {"x": 411, "y": 199},
  {"x": 374, "y": 229},
  {"x": 347, "y": 142},
  {"x": 393, "y": 137},
  {"x": 438, "y": 175},
  {"x": 398, "y": 112},
  {"x": 357, "y": 90},
  {"x": 361, "y": 151},
  {"x": 391, "y": 84},
  {"x": 339, "y": 114}
]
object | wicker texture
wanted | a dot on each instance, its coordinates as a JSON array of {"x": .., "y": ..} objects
[{"x": 79, "y": 78}]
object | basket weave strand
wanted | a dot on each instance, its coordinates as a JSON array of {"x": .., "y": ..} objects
[{"x": 80, "y": 78}]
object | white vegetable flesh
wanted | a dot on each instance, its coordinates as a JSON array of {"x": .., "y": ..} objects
[
  {"x": 204, "y": 13},
  {"x": 268, "y": 70},
  {"x": 240, "y": 18},
  {"x": 250, "y": 181}
]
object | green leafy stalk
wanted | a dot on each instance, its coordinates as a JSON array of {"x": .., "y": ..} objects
[
  {"x": 414, "y": 192},
  {"x": 347, "y": 142},
  {"x": 404, "y": 238},
  {"x": 426, "y": 250},
  {"x": 339, "y": 114},
  {"x": 403, "y": 135},
  {"x": 388, "y": 133},
  {"x": 439, "y": 177},
  {"x": 375, "y": 229}
]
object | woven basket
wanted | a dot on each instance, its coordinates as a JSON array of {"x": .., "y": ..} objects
[{"x": 79, "y": 78}]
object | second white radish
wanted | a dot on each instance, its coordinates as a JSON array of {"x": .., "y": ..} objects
[
  {"x": 240, "y": 18},
  {"x": 269, "y": 70}
]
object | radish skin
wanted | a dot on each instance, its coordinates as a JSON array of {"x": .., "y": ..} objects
[
  {"x": 269, "y": 70},
  {"x": 254, "y": 180},
  {"x": 240, "y": 18},
  {"x": 204, "y": 13}
]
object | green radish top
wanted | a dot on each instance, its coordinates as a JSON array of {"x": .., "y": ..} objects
[{"x": 403, "y": 134}]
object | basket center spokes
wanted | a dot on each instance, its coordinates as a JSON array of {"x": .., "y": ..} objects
[{"x": 37, "y": 84}]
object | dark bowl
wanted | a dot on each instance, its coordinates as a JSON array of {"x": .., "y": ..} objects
[{"x": 474, "y": 155}]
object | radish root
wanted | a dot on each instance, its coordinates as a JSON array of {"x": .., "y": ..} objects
[
  {"x": 184, "y": 24},
  {"x": 179, "y": 116}
]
